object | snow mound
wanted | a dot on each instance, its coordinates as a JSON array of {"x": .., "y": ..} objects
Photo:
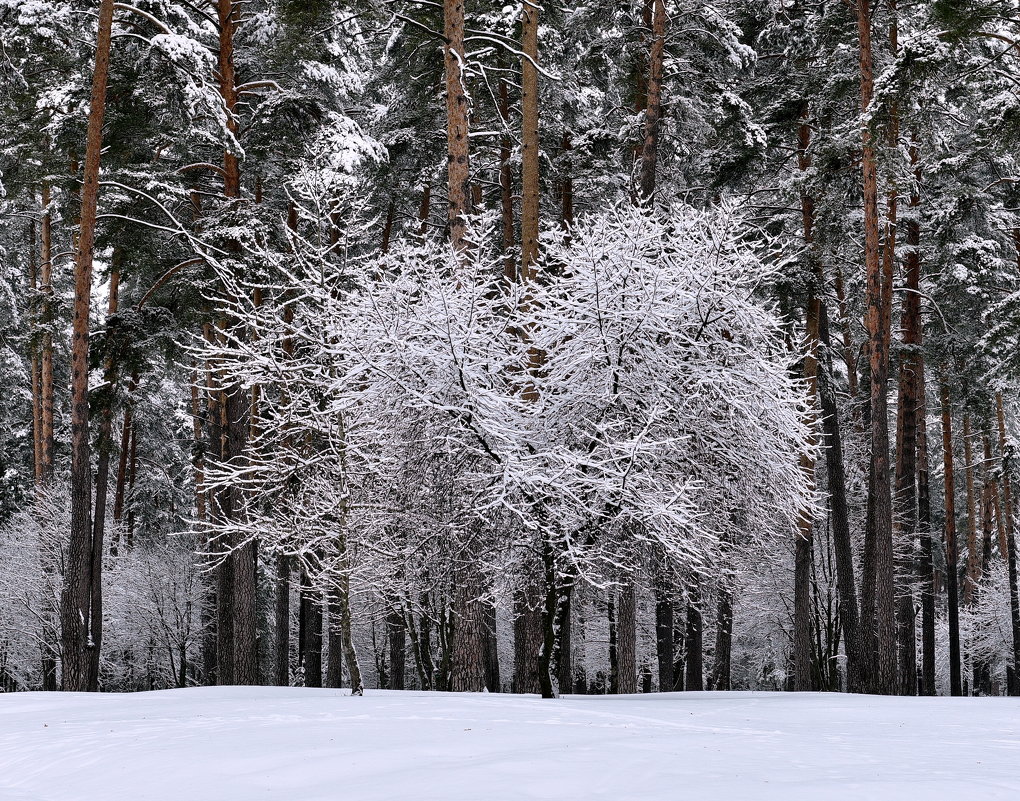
[{"x": 291, "y": 744}]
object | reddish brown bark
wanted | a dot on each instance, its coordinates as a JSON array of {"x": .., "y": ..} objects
[
  {"x": 879, "y": 592},
  {"x": 506, "y": 185},
  {"x": 530, "y": 172},
  {"x": 653, "y": 103},
  {"x": 36, "y": 364},
  {"x": 80, "y": 581},
  {"x": 973, "y": 572},
  {"x": 46, "y": 345},
  {"x": 457, "y": 116}
]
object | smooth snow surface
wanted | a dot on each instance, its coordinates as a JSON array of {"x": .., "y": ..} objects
[{"x": 279, "y": 744}]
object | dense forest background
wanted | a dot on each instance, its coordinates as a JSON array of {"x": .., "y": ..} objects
[{"x": 608, "y": 346}]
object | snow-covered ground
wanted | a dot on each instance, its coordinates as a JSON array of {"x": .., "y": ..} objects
[{"x": 273, "y": 744}]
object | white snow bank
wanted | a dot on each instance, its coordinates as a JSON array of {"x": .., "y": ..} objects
[{"x": 279, "y": 744}]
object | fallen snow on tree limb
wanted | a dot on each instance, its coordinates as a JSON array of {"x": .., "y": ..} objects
[{"x": 280, "y": 744}]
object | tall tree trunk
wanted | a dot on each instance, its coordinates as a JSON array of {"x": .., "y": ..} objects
[
  {"x": 723, "y": 640},
  {"x": 694, "y": 678},
  {"x": 664, "y": 644},
  {"x": 626, "y": 640},
  {"x": 973, "y": 572},
  {"x": 281, "y": 660},
  {"x": 913, "y": 337},
  {"x": 506, "y": 184},
  {"x": 397, "y": 637},
  {"x": 105, "y": 445},
  {"x": 343, "y": 601},
  {"x": 549, "y": 619},
  {"x": 48, "y": 636},
  {"x": 1007, "y": 508},
  {"x": 491, "y": 644},
  {"x": 528, "y": 636},
  {"x": 530, "y": 172},
  {"x": 989, "y": 492},
  {"x": 614, "y": 657},
  {"x": 46, "y": 346},
  {"x": 81, "y": 581},
  {"x": 468, "y": 652},
  {"x": 567, "y": 184},
  {"x": 924, "y": 527},
  {"x": 36, "y": 362},
  {"x": 243, "y": 556},
  {"x": 120, "y": 491},
  {"x": 334, "y": 677},
  {"x": 955, "y": 675},
  {"x": 311, "y": 646},
  {"x": 907, "y": 449},
  {"x": 457, "y": 115},
  {"x": 858, "y": 660},
  {"x": 334, "y": 645},
  {"x": 849, "y": 356},
  {"x": 564, "y": 640},
  {"x": 653, "y": 104},
  {"x": 879, "y": 289},
  {"x": 804, "y": 545},
  {"x": 906, "y": 519}
]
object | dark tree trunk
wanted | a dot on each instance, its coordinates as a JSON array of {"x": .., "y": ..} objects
[
  {"x": 723, "y": 641},
  {"x": 119, "y": 495},
  {"x": 343, "y": 600},
  {"x": 426, "y": 664},
  {"x": 924, "y": 527},
  {"x": 567, "y": 184},
  {"x": 564, "y": 640},
  {"x": 653, "y": 105},
  {"x": 694, "y": 678},
  {"x": 804, "y": 546},
  {"x": 105, "y": 445},
  {"x": 82, "y": 582},
  {"x": 880, "y": 588},
  {"x": 952, "y": 557},
  {"x": 467, "y": 651},
  {"x": 1007, "y": 508},
  {"x": 243, "y": 557},
  {"x": 905, "y": 477},
  {"x": 492, "y": 678},
  {"x": 528, "y": 638},
  {"x": 311, "y": 646},
  {"x": 916, "y": 360},
  {"x": 973, "y": 567},
  {"x": 664, "y": 647},
  {"x": 906, "y": 471},
  {"x": 626, "y": 641},
  {"x": 46, "y": 345},
  {"x": 281, "y": 660},
  {"x": 858, "y": 661},
  {"x": 614, "y": 653},
  {"x": 397, "y": 637},
  {"x": 548, "y": 621},
  {"x": 334, "y": 644}
]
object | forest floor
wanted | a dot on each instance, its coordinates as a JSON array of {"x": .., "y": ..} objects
[{"x": 281, "y": 744}]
